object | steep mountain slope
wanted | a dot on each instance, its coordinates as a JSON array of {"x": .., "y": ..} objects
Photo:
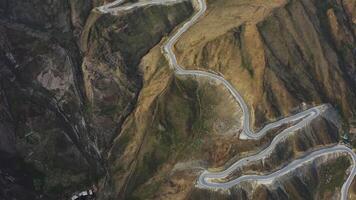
[
  {"x": 87, "y": 97},
  {"x": 312, "y": 60},
  {"x": 163, "y": 129},
  {"x": 313, "y": 180},
  {"x": 54, "y": 124},
  {"x": 113, "y": 46}
]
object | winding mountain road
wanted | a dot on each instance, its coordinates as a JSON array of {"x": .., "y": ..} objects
[
  {"x": 206, "y": 179},
  {"x": 120, "y": 5}
]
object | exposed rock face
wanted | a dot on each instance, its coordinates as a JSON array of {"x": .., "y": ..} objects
[
  {"x": 56, "y": 127},
  {"x": 50, "y": 132}
]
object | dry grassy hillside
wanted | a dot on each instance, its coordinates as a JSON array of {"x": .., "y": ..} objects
[{"x": 278, "y": 54}]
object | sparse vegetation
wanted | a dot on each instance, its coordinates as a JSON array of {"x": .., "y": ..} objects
[{"x": 332, "y": 175}]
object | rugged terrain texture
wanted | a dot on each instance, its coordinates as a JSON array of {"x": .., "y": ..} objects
[
  {"x": 113, "y": 46},
  {"x": 64, "y": 103},
  {"x": 312, "y": 60},
  {"x": 175, "y": 164},
  {"x": 88, "y": 98},
  {"x": 315, "y": 180}
]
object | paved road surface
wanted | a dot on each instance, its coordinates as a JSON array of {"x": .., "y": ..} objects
[{"x": 206, "y": 179}]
